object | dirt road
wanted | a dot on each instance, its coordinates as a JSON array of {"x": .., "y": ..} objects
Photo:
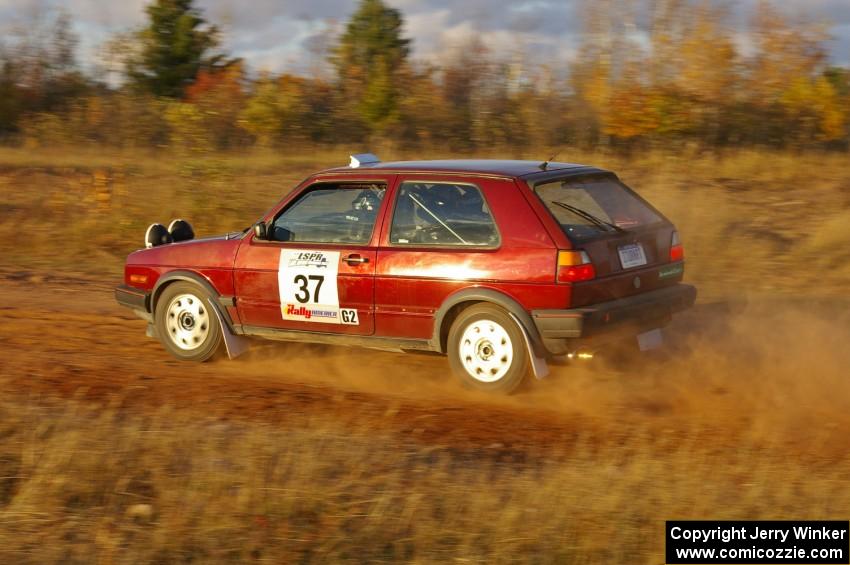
[{"x": 772, "y": 371}]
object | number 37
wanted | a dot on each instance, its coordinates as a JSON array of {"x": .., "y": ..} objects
[{"x": 303, "y": 282}]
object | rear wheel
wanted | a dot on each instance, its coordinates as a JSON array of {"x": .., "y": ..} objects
[
  {"x": 486, "y": 349},
  {"x": 185, "y": 323}
]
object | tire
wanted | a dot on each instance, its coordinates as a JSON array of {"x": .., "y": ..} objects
[
  {"x": 486, "y": 349},
  {"x": 185, "y": 323}
]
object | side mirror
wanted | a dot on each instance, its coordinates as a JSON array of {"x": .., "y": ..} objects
[{"x": 260, "y": 231}]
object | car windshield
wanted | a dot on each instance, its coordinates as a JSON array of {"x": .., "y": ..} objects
[
  {"x": 588, "y": 207},
  {"x": 331, "y": 213}
]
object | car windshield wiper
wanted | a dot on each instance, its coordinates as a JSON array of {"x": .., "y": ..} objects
[{"x": 589, "y": 217}]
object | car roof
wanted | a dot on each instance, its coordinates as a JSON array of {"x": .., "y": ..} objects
[{"x": 494, "y": 167}]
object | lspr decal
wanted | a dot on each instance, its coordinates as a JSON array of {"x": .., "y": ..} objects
[{"x": 307, "y": 281}]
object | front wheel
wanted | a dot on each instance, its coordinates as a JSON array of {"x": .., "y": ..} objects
[
  {"x": 185, "y": 323},
  {"x": 486, "y": 349}
]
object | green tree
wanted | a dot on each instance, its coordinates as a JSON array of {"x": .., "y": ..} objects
[
  {"x": 369, "y": 60},
  {"x": 10, "y": 97},
  {"x": 175, "y": 45}
]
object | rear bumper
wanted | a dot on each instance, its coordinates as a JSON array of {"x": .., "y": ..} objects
[
  {"x": 644, "y": 310},
  {"x": 133, "y": 298}
]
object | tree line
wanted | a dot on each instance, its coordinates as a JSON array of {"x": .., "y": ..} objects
[{"x": 647, "y": 73}]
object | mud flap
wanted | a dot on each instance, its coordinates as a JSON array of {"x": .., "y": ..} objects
[
  {"x": 653, "y": 339},
  {"x": 538, "y": 364},
  {"x": 235, "y": 345}
]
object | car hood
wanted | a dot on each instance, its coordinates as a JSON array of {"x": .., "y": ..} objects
[{"x": 215, "y": 251}]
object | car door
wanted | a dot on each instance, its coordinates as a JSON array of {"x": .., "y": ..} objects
[
  {"x": 447, "y": 233},
  {"x": 440, "y": 237},
  {"x": 315, "y": 271}
]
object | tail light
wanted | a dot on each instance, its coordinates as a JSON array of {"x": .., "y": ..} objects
[
  {"x": 677, "y": 252},
  {"x": 574, "y": 266}
]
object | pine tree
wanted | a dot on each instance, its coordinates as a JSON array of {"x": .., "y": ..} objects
[
  {"x": 369, "y": 59},
  {"x": 175, "y": 45}
]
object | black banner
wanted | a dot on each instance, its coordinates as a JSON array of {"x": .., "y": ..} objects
[{"x": 762, "y": 542}]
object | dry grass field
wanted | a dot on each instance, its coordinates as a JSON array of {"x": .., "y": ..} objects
[
  {"x": 754, "y": 221},
  {"x": 111, "y": 452}
]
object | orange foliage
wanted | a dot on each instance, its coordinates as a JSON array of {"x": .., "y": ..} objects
[{"x": 227, "y": 81}]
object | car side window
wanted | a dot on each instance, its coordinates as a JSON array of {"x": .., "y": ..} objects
[
  {"x": 444, "y": 214},
  {"x": 331, "y": 213}
]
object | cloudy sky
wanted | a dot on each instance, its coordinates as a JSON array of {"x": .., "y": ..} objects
[{"x": 276, "y": 35}]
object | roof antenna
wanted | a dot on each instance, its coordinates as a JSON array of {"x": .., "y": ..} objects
[{"x": 545, "y": 163}]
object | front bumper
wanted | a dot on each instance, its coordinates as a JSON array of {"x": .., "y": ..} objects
[
  {"x": 633, "y": 313},
  {"x": 134, "y": 298}
]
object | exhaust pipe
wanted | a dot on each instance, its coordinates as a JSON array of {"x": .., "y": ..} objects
[{"x": 581, "y": 354}]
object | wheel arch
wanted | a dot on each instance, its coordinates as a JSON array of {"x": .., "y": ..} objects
[
  {"x": 459, "y": 301},
  {"x": 189, "y": 276}
]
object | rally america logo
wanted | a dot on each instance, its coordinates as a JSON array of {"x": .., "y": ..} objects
[{"x": 310, "y": 313}]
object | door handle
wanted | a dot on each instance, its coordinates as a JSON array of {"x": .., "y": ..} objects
[{"x": 355, "y": 259}]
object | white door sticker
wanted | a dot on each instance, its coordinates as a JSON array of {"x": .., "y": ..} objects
[{"x": 307, "y": 281}]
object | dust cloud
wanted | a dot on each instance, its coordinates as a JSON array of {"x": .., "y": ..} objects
[{"x": 773, "y": 369}]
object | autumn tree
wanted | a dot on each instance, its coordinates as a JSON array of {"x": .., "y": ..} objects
[
  {"x": 38, "y": 67},
  {"x": 465, "y": 68},
  {"x": 647, "y": 73},
  {"x": 693, "y": 70},
  {"x": 277, "y": 110},
  {"x": 175, "y": 45},
  {"x": 689, "y": 82},
  {"x": 789, "y": 93},
  {"x": 368, "y": 60},
  {"x": 607, "y": 75},
  {"x": 220, "y": 96}
]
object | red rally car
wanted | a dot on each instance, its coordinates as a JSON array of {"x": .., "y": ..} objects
[{"x": 500, "y": 265}]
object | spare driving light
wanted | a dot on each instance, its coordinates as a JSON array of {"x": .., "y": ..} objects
[{"x": 574, "y": 266}]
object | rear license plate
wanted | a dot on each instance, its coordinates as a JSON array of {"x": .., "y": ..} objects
[
  {"x": 653, "y": 339},
  {"x": 632, "y": 255}
]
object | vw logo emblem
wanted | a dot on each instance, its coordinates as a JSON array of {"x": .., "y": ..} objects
[{"x": 636, "y": 282}]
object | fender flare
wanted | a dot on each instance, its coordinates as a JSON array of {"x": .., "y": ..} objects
[
  {"x": 493, "y": 297},
  {"x": 218, "y": 301},
  {"x": 234, "y": 344}
]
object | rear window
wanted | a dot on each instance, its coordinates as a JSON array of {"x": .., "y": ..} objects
[{"x": 588, "y": 207}]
